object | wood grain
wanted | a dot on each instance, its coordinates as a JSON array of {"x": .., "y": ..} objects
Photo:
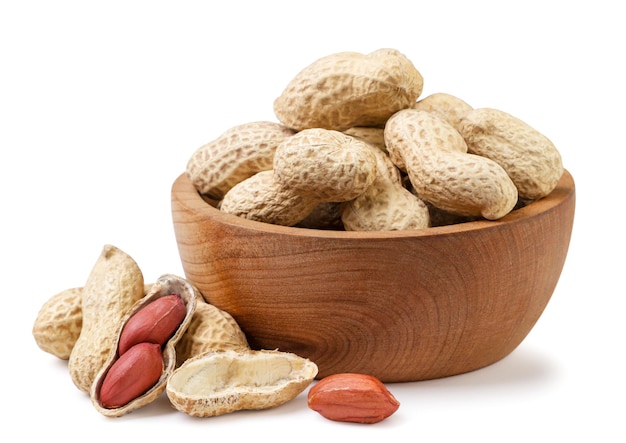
[{"x": 402, "y": 305}]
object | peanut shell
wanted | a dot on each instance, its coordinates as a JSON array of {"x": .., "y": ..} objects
[
  {"x": 386, "y": 205},
  {"x": 348, "y": 89},
  {"x": 238, "y": 153},
  {"x": 530, "y": 158},
  {"x": 446, "y": 106},
  {"x": 114, "y": 284},
  {"x": 441, "y": 170},
  {"x": 262, "y": 198},
  {"x": 222, "y": 382},
  {"x": 60, "y": 320},
  {"x": 325, "y": 164},
  {"x": 210, "y": 329},
  {"x": 58, "y": 323}
]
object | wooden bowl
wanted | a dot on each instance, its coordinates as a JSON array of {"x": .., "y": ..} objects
[{"x": 400, "y": 305}]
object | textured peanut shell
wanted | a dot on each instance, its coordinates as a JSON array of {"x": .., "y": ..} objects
[
  {"x": 349, "y": 89},
  {"x": 60, "y": 320},
  {"x": 386, "y": 205},
  {"x": 441, "y": 170},
  {"x": 325, "y": 164},
  {"x": 210, "y": 329},
  {"x": 374, "y": 136},
  {"x": 262, "y": 198},
  {"x": 530, "y": 158},
  {"x": 58, "y": 323},
  {"x": 114, "y": 285},
  {"x": 235, "y": 155},
  {"x": 445, "y": 106},
  {"x": 311, "y": 167},
  {"x": 222, "y": 382},
  {"x": 165, "y": 285}
]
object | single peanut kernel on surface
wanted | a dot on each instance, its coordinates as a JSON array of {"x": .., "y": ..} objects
[{"x": 351, "y": 397}]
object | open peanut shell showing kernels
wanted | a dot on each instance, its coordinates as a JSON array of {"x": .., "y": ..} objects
[
  {"x": 220, "y": 382},
  {"x": 165, "y": 286}
]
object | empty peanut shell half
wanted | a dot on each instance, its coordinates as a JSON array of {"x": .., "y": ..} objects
[
  {"x": 220, "y": 382},
  {"x": 165, "y": 286}
]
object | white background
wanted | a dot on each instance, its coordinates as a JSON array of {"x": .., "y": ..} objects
[{"x": 102, "y": 104}]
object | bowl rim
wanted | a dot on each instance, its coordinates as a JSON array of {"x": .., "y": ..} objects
[{"x": 564, "y": 190}]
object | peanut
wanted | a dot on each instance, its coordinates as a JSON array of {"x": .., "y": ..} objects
[
  {"x": 312, "y": 167},
  {"x": 262, "y": 198},
  {"x": 154, "y": 323},
  {"x": 350, "y": 397},
  {"x": 326, "y": 164},
  {"x": 210, "y": 329},
  {"x": 164, "y": 287},
  {"x": 349, "y": 89},
  {"x": 221, "y": 382},
  {"x": 386, "y": 204},
  {"x": 235, "y": 155},
  {"x": 58, "y": 323},
  {"x": 374, "y": 136},
  {"x": 529, "y": 158},
  {"x": 441, "y": 170},
  {"x": 445, "y": 106},
  {"x": 114, "y": 284},
  {"x": 136, "y": 371}
]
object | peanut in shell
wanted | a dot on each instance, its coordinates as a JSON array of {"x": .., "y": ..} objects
[
  {"x": 114, "y": 285},
  {"x": 162, "y": 287}
]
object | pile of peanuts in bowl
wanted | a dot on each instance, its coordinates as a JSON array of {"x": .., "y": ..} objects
[{"x": 356, "y": 148}]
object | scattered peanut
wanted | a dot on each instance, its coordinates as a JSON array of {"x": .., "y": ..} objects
[
  {"x": 441, "y": 170},
  {"x": 528, "y": 157},
  {"x": 349, "y": 397},
  {"x": 221, "y": 382},
  {"x": 113, "y": 286},
  {"x": 349, "y": 89},
  {"x": 58, "y": 323},
  {"x": 237, "y": 154}
]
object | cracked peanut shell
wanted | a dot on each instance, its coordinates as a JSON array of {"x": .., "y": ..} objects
[
  {"x": 165, "y": 285},
  {"x": 222, "y": 382}
]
